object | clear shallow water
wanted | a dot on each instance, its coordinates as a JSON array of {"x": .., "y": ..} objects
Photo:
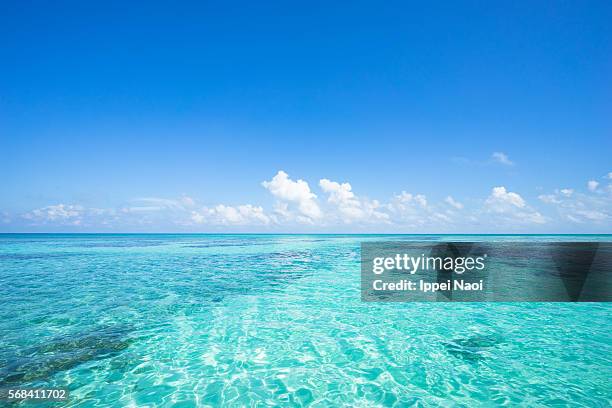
[{"x": 235, "y": 320}]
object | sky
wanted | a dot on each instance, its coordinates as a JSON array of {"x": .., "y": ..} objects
[{"x": 428, "y": 117}]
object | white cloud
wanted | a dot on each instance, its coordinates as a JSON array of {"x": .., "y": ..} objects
[
  {"x": 549, "y": 198},
  {"x": 592, "y": 215},
  {"x": 405, "y": 198},
  {"x": 343, "y": 198},
  {"x": 351, "y": 208},
  {"x": 453, "y": 203},
  {"x": 282, "y": 209},
  {"x": 101, "y": 211},
  {"x": 340, "y": 194},
  {"x": 338, "y": 206},
  {"x": 511, "y": 207},
  {"x": 579, "y": 207},
  {"x": 609, "y": 176},
  {"x": 231, "y": 215},
  {"x": 592, "y": 185},
  {"x": 159, "y": 211},
  {"x": 414, "y": 211},
  {"x": 59, "y": 213},
  {"x": 500, "y": 198},
  {"x": 151, "y": 211},
  {"x": 197, "y": 217},
  {"x": 152, "y": 204},
  {"x": 297, "y": 192},
  {"x": 502, "y": 158}
]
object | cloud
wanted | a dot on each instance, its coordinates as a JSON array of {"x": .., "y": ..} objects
[
  {"x": 501, "y": 198},
  {"x": 152, "y": 204},
  {"x": 296, "y": 192},
  {"x": 296, "y": 204},
  {"x": 408, "y": 207},
  {"x": 609, "y": 176},
  {"x": 340, "y": 194},
  {"x": 59, "y": 213},
  {"x": 414, "y": 211},
  {"x": 579, "y": 207},
  {"x": 495, "y": 158},
  {"x": 502, "y": 158},
  {"x": 151, "y": 211},
  {"x": 557, "y": 196},
  {"x": 453, "y": 203},
  {"x": 591, "y": 215},
  {"x": 549, "y": 198},
  {"x": 405, "y": 198},
  {"x": 231, "y": 215},
  {"x": 197, "y": 217},
  {"x": 511, "y": 207},
  {"x": 592, "y": 185},
  {"x": 350, "y": 207},
  {"x": 157, "y": 211}
]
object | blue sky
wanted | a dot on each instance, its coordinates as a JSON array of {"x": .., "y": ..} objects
[{"x": 151, "y": 117}]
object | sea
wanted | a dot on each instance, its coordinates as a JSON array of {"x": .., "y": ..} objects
[{"x": 189, "y": 320}]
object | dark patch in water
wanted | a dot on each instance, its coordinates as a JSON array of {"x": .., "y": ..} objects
[
  {"x": 35, "y": 256},
  {"x": 473, "y": 348},
  {"x": 120, "y": 244},
  {"x": 63, "y": 353},
  {"x": 226, "y": 244}
]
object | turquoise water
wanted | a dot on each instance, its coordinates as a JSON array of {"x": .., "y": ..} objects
[{"x": 268, "y": 320}]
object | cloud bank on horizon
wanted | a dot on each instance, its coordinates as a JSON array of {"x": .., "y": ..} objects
[{"x": 331, "y": 205}]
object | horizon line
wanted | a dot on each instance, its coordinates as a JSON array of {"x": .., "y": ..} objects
[{"x": 288, "y": 233}]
